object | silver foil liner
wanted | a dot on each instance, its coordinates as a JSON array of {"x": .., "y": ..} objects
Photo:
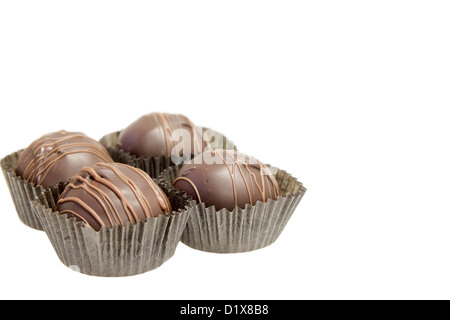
[
  {"x": 22, "y": 193},
  {"x": 154, "y": 166},
  {"x": 113, "y": 252},
  {"x": 241, "y": 230}
]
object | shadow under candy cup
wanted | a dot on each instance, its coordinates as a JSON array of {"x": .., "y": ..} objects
[
  {"x": 241, "y": 230},
  {"x": 118, "y": 251},
  {"x": 22, "y": 192},
  {"x": 154, "y": 166}
]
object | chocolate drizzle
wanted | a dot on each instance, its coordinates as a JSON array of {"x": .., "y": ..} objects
[
  {"x": 57, "y": 156},
  {"x": 233, "y": 180},
  {"x": 110, "y": 194}
]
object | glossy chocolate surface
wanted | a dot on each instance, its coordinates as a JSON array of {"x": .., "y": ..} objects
[
  {"x": 109, "y": 194},
  {"x": 227, "y": 179},
  {"x": 158, "y": 134},
  {"x": 56, "y": 157}
]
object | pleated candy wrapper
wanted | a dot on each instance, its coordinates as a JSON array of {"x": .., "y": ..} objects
[
  {"x": 154, "y": 166},
  {"x": 113, "y": 252},
  {"x": 22, "y": 192},
  {"x": 241, "y": 230}
]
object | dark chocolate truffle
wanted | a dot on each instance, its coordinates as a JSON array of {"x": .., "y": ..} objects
[
  {"x": 226, "y": 179},
  {"x": 109, "y": 194},
  {"x": 155, "y": 135},
  {"x": 56, "y": 157}
]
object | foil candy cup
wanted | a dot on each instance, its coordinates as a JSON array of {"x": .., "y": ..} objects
[
  {"x": 241, "y": 230},
  {"x": 113, "y": 252},
  {"x": 22, "y": 192}
]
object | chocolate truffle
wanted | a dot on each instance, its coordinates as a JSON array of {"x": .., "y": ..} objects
[
  {"x": 109, "y": 194},
  {"x": 155, "y": 135},
  {"x": 56, "y": 157},
  {"x": 226, "y": 179}
]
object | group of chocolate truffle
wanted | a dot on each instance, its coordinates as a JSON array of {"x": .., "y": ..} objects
[
  {"x": 121, "y": 205},
  {"x": 101, "y": 192}
]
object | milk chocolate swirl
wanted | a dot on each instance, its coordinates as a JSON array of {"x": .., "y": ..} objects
[
  {"x": 232, "y": 179},
  {"x": 56, "y": 157},
  {"x": 109, "y": 194},
  {"x": 152, "y": 135}
]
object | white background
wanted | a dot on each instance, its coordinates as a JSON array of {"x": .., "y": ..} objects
[{"x": 351, "y": 97}]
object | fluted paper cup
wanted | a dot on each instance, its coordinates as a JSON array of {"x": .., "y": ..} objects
[
  {"x": 22, "y": 192},
  {"x": 154, "y": 166},
  {"x": 241, "y": 230},
  {"x": 113, "y": 252}
]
